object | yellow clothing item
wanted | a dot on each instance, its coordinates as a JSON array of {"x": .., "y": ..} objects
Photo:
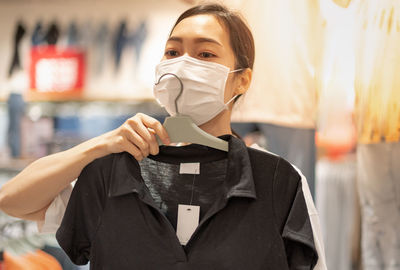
[{"x": 377, "y": 82}]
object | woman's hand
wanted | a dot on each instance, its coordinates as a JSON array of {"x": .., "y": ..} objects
[
  {"x": 136, "y": 136},
  {"x": 29, "y": 194}
]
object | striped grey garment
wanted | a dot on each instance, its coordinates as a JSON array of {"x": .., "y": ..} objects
[{"x": 378, "y": 174}]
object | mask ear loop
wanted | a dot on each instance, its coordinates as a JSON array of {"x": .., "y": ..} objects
[
  {"x": 233, "y": 98},
  {"x": 236, "y": 70},
  {"x": 180, "y": 92}
]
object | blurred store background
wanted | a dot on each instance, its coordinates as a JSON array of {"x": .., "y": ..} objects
[{"x": 73, "y": 69}]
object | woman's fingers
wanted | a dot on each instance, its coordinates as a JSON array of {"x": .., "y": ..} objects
[
  {"x": 143, "y": 136},
  {"x": 140, "y": 131},
  {"x": 150, "y": 138},
  {"x": 133, "y": 150},
  {"x": 154, "y": 124},
  {"x": 141, "y": 142},
  {"x": 136, "y": 136}
]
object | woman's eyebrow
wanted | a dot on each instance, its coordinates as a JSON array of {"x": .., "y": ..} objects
[{"x": 196, "y": 40}]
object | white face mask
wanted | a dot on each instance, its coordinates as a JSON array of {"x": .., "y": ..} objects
[{"x": 203, "y": 85}]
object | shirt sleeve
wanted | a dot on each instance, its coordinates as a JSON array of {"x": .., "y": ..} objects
[
  {"x": 293, "y": 219},
  {"x": 55, "y": 213},
  {"x": 313, "y": 215},
  {"x": 83, "y": 214},
  {"x": 315, "y": 224}
]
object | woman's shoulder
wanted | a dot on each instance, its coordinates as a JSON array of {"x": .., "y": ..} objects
[{"x": 267, "y": 161}]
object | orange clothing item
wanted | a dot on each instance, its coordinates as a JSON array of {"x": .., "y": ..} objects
[
  {"x": 12, "y": 262},
  {"x": 45, "y": 260},
  {"x": 38, "y": 260}
]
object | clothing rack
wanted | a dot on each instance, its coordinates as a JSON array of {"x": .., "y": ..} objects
[{"x": 19, "y": 236}]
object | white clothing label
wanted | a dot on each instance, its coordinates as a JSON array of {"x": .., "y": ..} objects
[
  {"x": 188, "y": 220},
  {"x": 189, "y": 168}
]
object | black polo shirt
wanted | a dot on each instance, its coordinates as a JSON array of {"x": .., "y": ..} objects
[{"x": 122, "y": 213}]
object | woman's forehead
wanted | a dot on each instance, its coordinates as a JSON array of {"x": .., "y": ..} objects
[{"x": 201, "y": 26}]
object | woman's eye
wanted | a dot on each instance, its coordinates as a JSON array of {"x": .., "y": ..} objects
[
  {"x": 171, "y": 53},
  {"x": 207, "y": 55}
]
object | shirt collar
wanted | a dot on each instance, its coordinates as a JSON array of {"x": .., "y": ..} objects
[{"x": 239, "y": 182}]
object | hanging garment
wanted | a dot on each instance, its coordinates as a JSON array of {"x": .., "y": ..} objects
[
  {"x": 61, "y": 257},
  {"x": 252, "y": 212},
  {"x": 120, "y": 41},
  {"x": 288, "y": 37},
  {"x": 80, "y": 36},
  {"x": 337, "y": 203},
  {"x": 3, "y": 132},
  {"x": 100, "y": 46},
  {"x": 56, "y": 210},
  {"x": 16, "y": 111},
  {"x": 37, "y": 260},
  {"x": 137, "y": 39},
  {"x": 378, "y": 174},
  {"x": 52, "y": 34},
  {"x": 377, "y": 110},
  {"x": 123, "y": 39},
  {"x": 377, "y": 83},
  {"x": 44, "y": 260},
  {"x": 16, "y": 61},
  {"x": 2, "y": 260},
  {"x": 18, "y": 263},
  {"x": 73, "y": 35},
  {"x": 38, "y": 35}
]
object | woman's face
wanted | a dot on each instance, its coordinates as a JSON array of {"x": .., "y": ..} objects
[{"x": 205, "y": 38}]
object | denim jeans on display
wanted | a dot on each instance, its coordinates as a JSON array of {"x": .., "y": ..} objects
[
  {"x": 73, "y": 35},
  {"x": 124, "y": 39},
  {"x": 38, "y": 34},
  {"x": 16, "y": 110}
]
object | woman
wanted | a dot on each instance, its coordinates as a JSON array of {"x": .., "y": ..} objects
[{"x": 203, "y": 36}]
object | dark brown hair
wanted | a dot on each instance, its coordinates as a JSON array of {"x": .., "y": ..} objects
[{"x": 241, "y": 39}]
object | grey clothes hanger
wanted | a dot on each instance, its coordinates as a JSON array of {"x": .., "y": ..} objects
[{"x": 181, "y": 128}]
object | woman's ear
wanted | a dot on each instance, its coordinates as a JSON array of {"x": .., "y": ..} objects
[{"x": 243, "y": 81}]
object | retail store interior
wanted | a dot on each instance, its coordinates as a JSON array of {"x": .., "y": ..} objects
[{"x": 325, "y": 95}]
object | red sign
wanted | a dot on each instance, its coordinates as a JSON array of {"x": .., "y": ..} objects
[{"x": 55, "y": 70}]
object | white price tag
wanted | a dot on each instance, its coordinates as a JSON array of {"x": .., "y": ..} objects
[
  {"x": 189, "y": 168},
  {"x": 188, "y": 220}
]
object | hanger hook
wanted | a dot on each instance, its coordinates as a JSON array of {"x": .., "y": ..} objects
[{"x": 180, "y": 92}]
